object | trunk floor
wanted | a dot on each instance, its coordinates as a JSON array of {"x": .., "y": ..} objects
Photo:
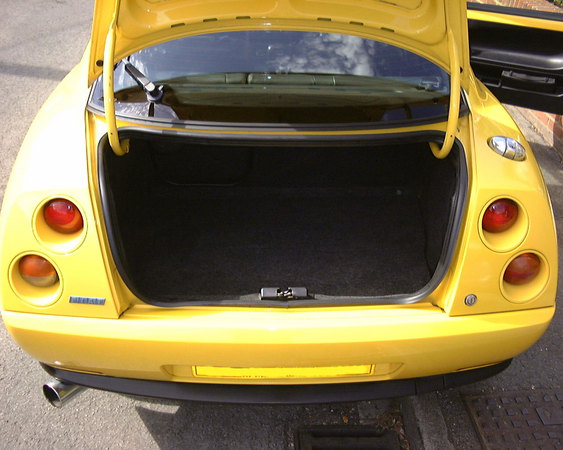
[{"x": 227, "y": 242}]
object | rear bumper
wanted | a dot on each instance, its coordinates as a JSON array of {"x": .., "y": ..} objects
[
  {"x": 277, "y": 394},
  {"x": 220, "y": 346}
]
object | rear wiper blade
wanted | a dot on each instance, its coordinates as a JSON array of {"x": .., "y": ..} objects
[
  {"x": 156, "y": 108},
  {"x": 154, "y": 93}
]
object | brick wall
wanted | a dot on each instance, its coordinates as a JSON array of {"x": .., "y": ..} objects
[{"x": 552, "y": 124}]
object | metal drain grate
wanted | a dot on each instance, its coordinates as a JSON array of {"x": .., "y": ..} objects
[
  {"x": 335, "y": 437},
  {"x": 519, "y": 419}
]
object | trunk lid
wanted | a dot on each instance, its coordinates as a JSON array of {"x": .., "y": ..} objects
[{"x": 425, "y": 26}]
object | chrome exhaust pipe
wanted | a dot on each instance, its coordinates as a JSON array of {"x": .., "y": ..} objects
[{"x": 58, "y": 392}]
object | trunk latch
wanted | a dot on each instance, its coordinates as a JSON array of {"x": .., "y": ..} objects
[{"x": 291, "y": 293}]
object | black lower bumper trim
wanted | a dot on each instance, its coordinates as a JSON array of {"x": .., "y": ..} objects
[{"x": 276, "y": 394}]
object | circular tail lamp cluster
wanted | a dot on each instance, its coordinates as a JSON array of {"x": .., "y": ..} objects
[
  {"x": 35, "y": 279},
  {"x": 37, "y": 271},
  {"x": 522, "y": 269},
  {"x": 500, "y": 215},
  {"x": 524, "y": 277},
  {"x": 63, "y": 216},
  {"x": 59, "y": 225},
  {"x": 504, "y": 225}
]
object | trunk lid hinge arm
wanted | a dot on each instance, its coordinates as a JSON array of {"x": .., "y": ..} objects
[
  {"x": 455, "y": 95},
  {"x": 118, "y": 147}
]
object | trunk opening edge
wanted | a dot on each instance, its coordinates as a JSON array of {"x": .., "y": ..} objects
[{"x": 357, "y": 221}]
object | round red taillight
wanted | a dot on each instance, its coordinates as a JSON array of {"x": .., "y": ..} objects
[
  {"x": 522, "y": 269},
  {"x": 37, "y": 271},
  {"x": 500, "y": 215},
  {"x": 63, "y": 216}
]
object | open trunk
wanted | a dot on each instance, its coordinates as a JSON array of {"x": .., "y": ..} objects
[{"x": 214, "y": 222}]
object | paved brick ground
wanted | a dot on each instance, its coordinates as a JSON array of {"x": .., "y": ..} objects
[{"x": 519, "y": 419}]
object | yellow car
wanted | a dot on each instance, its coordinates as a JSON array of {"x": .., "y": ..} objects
[{"x": 283, "y": 201}]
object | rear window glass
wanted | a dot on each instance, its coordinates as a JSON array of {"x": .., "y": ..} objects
[{"x": 280, "y": 77}]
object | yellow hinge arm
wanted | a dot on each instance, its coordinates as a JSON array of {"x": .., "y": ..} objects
[
  {"x": 455, "y": 94},
  {"x": 118, "y": 147}
]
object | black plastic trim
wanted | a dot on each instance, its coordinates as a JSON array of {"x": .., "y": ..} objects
[
  {"x": 452, "y": 233},
  {"x": 522, "y": 66},
  {"x": 280, "y": 140},
  {"x": 277, "y": 394},
  {"x": 268, "y": 127}
]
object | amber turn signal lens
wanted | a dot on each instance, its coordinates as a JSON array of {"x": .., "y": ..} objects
[
  {"x": 37, "y": 271},
  {"x": 63, "y": 216},
  {"x": 500, "y": 216},
  {"x": 522, "y": 269}
]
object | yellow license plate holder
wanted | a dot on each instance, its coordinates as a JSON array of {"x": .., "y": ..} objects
[{"x": 282, "y": 372}]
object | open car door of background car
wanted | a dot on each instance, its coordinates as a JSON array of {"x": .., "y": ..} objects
[{"x": 518, "y": 54}]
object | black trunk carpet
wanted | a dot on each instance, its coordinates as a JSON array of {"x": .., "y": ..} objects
[{"x": 219, "y": 241}]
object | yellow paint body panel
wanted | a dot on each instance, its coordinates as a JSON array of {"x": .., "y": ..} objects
[
  {"x": 156, "y": 343},
  {"x": 418, "y": 24},
  {"x": 123, "y": 337},
  {"x": 51, "y": 164}
]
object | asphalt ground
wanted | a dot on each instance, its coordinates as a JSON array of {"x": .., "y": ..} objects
[{"x": 40, "y": 41}]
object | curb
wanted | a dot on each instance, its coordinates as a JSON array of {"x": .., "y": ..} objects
[{"x": 425, "y": 424}]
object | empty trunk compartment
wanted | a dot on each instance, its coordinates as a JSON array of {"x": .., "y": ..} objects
[{"x": 212, "y": 222}]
